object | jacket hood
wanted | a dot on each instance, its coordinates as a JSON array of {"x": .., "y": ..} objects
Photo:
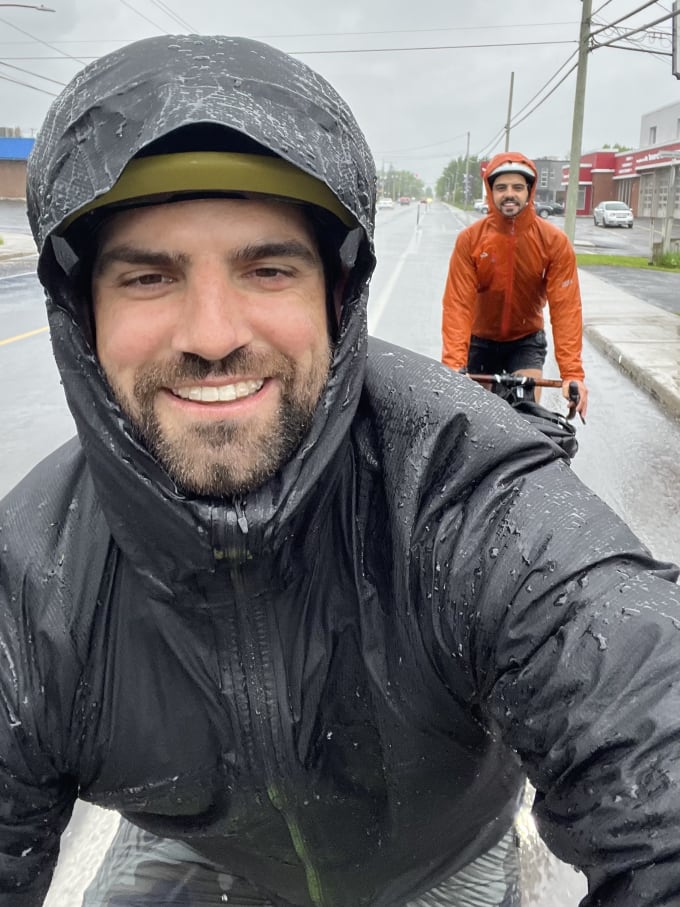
[
  {"x": 111, "y": 111},
  {"x": 513, "y": 157}
]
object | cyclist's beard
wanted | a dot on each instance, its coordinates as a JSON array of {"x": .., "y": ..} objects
[{"x": 227, "y": 457}]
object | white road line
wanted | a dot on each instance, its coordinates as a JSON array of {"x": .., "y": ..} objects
[
  {"x": 14, "y": 276},
  {"x": 377, "y": 308}
]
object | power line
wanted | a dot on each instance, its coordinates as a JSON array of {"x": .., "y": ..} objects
[
  {"x": 134, "y": 9},
  {"x": 29, "y": 73},
  {"x": 634, "y": 31},
  {"x": 40, "y": 41},
  {"x": 544, "y": 99},
  {"x": 514, "y": 121},
  {"x": 432, "y": 145},
  {"x": 383, "y": 50},
  {"x": 347, "y": 50},
  {"x": 173, "y": 15},
  {"x": 411, "y": 31},
  {"x": 600, "y": 8},
  {"x": 540, "y": 90},
  {"x": 52, "y": 94},
  {"x": 637, "y": 45},
  {"x": 627, "y": 16}
]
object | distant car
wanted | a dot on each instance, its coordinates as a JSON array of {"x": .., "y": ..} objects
[
  {"x": 543, "y": 209},
  {"x": 558, "y": 207},
  {"x": 478, "y": 204},
  {"x": 405, "y": 200},
  {"x": 613, "y": 214},
  {"x": 385, "y": 203}
]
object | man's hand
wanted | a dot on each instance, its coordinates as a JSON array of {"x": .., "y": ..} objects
[{"x": 582, "y": 405}]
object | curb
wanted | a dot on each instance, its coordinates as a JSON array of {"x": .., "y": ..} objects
[
  {"x": 640, "y": 338},
  {"x": 643, "y": 376}
]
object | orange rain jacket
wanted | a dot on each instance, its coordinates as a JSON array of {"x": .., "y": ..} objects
[{"x": 502, "y": 272}]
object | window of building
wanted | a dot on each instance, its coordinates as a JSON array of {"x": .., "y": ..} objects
[
  {"x": 543, "y": 177},
  {"x": 652, "y": 135},
  {"x": 677, "y": 128}
]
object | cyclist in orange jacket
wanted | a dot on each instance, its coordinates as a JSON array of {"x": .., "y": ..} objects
[{"x": 503, "y": 270}]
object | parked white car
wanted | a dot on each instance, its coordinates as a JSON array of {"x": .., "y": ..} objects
[
  {"x": 613, "y": 214},
  {"x": 385, "y": 203}
]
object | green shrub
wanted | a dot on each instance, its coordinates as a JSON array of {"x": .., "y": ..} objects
[{"x": 669, "y": 260}]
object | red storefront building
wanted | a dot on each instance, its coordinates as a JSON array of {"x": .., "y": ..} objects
[{"x": 643, "y": 179}]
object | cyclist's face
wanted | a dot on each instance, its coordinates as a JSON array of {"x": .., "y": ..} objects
[{"x": 510, "y": 193}]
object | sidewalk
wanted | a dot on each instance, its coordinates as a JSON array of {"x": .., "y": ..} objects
[{"x": 641, "y": 338}]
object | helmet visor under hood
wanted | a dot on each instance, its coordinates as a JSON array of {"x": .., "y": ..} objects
[{"x": 165, "y": 172}]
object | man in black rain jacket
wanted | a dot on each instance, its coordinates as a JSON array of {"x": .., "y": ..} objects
[{"x": 316, "y": 652}]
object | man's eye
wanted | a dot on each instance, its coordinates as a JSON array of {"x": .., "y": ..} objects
[
  {"x": 145, "y": 280},
  {"x": 271, "y": 272}
]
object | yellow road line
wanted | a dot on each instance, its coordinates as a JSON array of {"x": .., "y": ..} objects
[{"x": 23, "y": 336}]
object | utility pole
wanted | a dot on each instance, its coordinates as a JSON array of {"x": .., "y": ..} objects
[
  {"x": 467, "y": 170},
  {"x": 577, "y": 122},
  {"x": 507, "y": 122},
  {"x": 670, "y": 204}
]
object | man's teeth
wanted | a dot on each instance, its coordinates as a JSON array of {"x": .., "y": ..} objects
[{"x": 219, "y": 394}]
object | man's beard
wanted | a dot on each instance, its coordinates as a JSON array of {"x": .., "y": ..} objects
[{"x": 226, "y": 458}]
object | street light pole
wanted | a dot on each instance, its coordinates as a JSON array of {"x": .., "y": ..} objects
[
  {"x": 507, "y": 122},
  {"x": 577, "y": 121}
]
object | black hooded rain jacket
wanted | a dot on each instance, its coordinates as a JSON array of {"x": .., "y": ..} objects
[{"x": 334, "y": 686}]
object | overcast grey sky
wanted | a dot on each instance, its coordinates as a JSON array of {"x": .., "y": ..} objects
[{"x": 419, "y": 75}]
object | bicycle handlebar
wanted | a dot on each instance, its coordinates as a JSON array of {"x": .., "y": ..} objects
[
  {"x": 516, "y": 380},
  {"x": 509, "y": 380}
]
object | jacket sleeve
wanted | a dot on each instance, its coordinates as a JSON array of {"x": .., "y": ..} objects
[
  {"x": 36, "y": 798},
  {"x": 458, "y": 304},
  {"x": 573, "y": 635},
  {"x": 564, "y": 299}
]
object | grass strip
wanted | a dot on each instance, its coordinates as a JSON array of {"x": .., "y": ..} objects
[{"x": 585, "y": 259}]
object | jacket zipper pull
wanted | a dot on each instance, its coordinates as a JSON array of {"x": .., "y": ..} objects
[{"x": 241, "y": 517}]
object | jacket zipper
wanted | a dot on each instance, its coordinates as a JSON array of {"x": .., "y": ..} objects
[
  {"x": 254, "y": 670},
  {"x": 507, "y": 309}
]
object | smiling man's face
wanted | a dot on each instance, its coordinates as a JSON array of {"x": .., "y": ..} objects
[
  {"x": 510, "y": 193},
  {"x": 211, "y": 328}
]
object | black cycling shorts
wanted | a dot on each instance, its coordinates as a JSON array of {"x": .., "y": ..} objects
[
  {"x": 142, "y": 870},
  {"x": 490, "y": 357}
]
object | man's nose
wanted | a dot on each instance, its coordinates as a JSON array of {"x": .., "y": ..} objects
[{"x": 213, "y": 320}]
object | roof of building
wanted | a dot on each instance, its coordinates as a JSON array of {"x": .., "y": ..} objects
[{"x": 15, "y": 148}]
